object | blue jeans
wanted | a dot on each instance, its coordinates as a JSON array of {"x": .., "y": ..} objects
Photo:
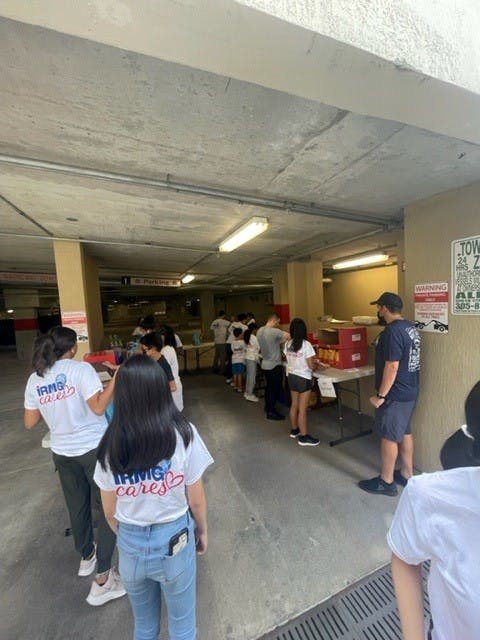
[{"x": 147, "y": 569}]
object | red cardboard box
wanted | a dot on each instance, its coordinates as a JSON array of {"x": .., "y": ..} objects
[
  {"x": 100, "y": 356},
  {"x": 343, "y": 337},
  {"x": 342, "y": 358}
]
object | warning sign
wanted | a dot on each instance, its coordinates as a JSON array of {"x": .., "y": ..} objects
[
  {"x": 431, "y": 306},
  {"x": 466, "y": 276}
]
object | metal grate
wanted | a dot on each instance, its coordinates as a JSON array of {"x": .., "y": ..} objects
[{"x": 366, "y": 610}]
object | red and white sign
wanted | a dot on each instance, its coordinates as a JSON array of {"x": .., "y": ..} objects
[
  {"x": 431, "y": 307},
  {"x": 76, "y": 320}
]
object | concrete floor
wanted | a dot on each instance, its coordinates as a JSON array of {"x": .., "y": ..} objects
[{"x": 288, "y": 526}]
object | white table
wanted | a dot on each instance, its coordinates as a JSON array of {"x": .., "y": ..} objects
[
  {"x": 338, "y": 376},
  {"x": 199, "y": 349}
]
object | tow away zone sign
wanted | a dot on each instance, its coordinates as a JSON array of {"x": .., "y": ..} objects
[{"x": 466, "y": 276}]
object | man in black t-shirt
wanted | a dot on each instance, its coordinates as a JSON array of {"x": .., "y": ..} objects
[{"x": 397, "y": 370}]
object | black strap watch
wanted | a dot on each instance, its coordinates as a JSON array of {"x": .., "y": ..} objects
[{"x": 379, "y": 395}]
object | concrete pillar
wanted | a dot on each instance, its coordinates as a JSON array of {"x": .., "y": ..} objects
[
  {"x": 25, "y": 303},
  {"x": 79, "y": 294},
  {"x": 280, "y": 295},
  {"x": 305, "y": 291},
  {"x": 207, "y": 314}
]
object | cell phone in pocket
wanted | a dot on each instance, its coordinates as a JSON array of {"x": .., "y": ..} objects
[{"x": 178, "y": 542}]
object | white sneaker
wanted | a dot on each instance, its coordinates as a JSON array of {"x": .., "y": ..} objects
[
  {"x": 251, "y": 397},
  {"x": 112, "y": 589},
  {"x": 87, "y": 567},
  {"x": 46, "y": 441}
]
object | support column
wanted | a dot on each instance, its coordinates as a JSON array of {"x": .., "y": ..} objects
[
  {"x": 280, "y": 296},
  {"x": 25, "y": 303},
  {"x": 207, "y": 313},
  {"x": 79, "y": 294}
]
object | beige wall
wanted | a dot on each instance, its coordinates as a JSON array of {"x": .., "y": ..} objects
[
  {"x": 350, "y": 293},
  {"x": 450, "y": 363}
]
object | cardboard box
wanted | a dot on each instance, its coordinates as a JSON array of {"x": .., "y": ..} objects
[
  {"x": 343, "y": 337},
  {"x": 101, "y": 356},
  {"x": 343, "y": 358}
]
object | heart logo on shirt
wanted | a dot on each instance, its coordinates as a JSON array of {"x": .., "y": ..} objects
[{"x": 171, "y": 480}]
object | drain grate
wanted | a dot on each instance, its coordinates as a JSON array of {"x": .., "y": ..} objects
[{"x": 364, "y": 611}]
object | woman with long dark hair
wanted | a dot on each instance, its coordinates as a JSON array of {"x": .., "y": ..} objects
[
  {"x": 301, "y": 361},
  {"x": 150, "y": 466},
  {"x": 169, "y": 352},
  {"x": 69, "y": 396}
]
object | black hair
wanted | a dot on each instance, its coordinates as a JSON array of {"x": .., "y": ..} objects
[
  {"x": 237, "y": 331},
  {"x": 298, "y": 332},
  {"x": 145, "y": 422},
  {"x": 152, "y": 340},
  {"x": 169, "y": 336},
  {"x": 148, "y": 323},
  {"x": 241, "y": 317},
  {"x": 51, "y": 347},
  {"x": 248, "y": 332},
  {"x": 459, "y": 450},
  {"x": 221, "y": 313}
]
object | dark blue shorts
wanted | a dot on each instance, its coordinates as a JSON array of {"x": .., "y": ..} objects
[
  {"x": 297, "y": 383},
  {"x": 238, "y": 367},
  {"x": 392, "y": 419}
]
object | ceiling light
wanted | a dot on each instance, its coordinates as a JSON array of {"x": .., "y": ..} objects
[
  {"x": 188, "y": 278},
  {"x": 250, "y": 230},
  {"x": 361, "y": 261},
  {"x": 9, "y": 310}
]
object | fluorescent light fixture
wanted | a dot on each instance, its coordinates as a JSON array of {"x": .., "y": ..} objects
[
  {"x": 250, "y": 230},
  {"x": 188, "y": 278},
  {"x": 361, "y": 261},
  {"x": 9, "y": 310}
]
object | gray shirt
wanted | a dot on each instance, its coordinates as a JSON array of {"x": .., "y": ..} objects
[{"x": 270, "y": 339}]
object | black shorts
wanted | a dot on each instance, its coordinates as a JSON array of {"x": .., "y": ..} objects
[
  {"x": 392, "y": 419},
  {"x": 299, "y": 384}
]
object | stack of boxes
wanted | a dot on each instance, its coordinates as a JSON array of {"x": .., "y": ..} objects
[{"x": 342, "y": 347}]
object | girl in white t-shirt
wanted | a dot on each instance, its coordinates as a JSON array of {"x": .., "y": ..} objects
[
  {"x": 301, "y": 361},
  {"x": 170, "y": 354},
  {"x": 69, "y": 396},
  {"x": 252, "y": 354},
  {"x": 150, "y": 466},
  {"x": 438, "y": 519}
]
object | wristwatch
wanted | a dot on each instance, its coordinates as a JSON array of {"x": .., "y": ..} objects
[{"x": 379, "y": 395}]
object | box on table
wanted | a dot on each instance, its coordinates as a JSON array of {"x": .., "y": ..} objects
[
  {"x": 343, "y": 337},
  {"x": 342, "y": 358},
  {"x": 101, "y": 356}
]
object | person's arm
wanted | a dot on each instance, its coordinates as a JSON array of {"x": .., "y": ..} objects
[
  {"x": 109, "y": 504},
  {"x": 197, "y": 502},
  {"x": 407, "y": 579},
  {"x": 390, "y": 371},
  {"x": 100, "y": 400},
  {"x": 31, "y": 417}
]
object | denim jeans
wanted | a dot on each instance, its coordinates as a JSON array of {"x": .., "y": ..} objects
[
  {"x": 147, "y": 569},
  {"x": 251, "y": 375}
]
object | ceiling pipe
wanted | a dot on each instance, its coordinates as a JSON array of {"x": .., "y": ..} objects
[{"x": 241, "y": 198}]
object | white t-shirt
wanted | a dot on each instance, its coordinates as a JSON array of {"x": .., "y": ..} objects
[
  {"x": 238, "y": 351},
  {"x": 220, "y": 329},
  {"x": 297, "y": 360},
  {"x": 170, "y": 356},
  {"x": 178, "y": 342},
  {"x": 61, "y": 397},
  {"x": 438, "y": 519},
  {"x": 252, "y": 349},
  {"x": 157, "y": 495},
  {"x": 233, "y": 325}
]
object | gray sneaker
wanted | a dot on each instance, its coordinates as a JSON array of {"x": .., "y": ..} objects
[{"x": 112, "y": 589}]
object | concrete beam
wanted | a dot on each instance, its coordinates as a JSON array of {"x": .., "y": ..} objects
[{"x": 228, "y": 38}]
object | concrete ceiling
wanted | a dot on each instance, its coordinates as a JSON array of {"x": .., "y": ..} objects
[{"x": 158, "y": 162}]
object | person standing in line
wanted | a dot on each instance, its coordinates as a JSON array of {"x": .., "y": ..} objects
[
  {"x": 170, "y": 354},
  {"x": 149, "y": 470},
  {"x": 69, "y": 396},
  {"x": 238, "y": 360},
  {"x": 301, "y": 361},
  {"x": 220, "y": 328},
  {"x": 438, "y": 519},
  {"x": 270, "y": 338},
  {"x": 239, "y": 323},
  {"x": 252, "y": 354},
  {"x": 250, "y": 319},
  {"x": 397, "y": 373}
]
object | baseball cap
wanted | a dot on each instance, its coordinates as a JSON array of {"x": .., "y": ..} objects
[{"x": 389, "y": 300}]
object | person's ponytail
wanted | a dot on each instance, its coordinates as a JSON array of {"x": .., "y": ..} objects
[{"x": 44, "y": 356}]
